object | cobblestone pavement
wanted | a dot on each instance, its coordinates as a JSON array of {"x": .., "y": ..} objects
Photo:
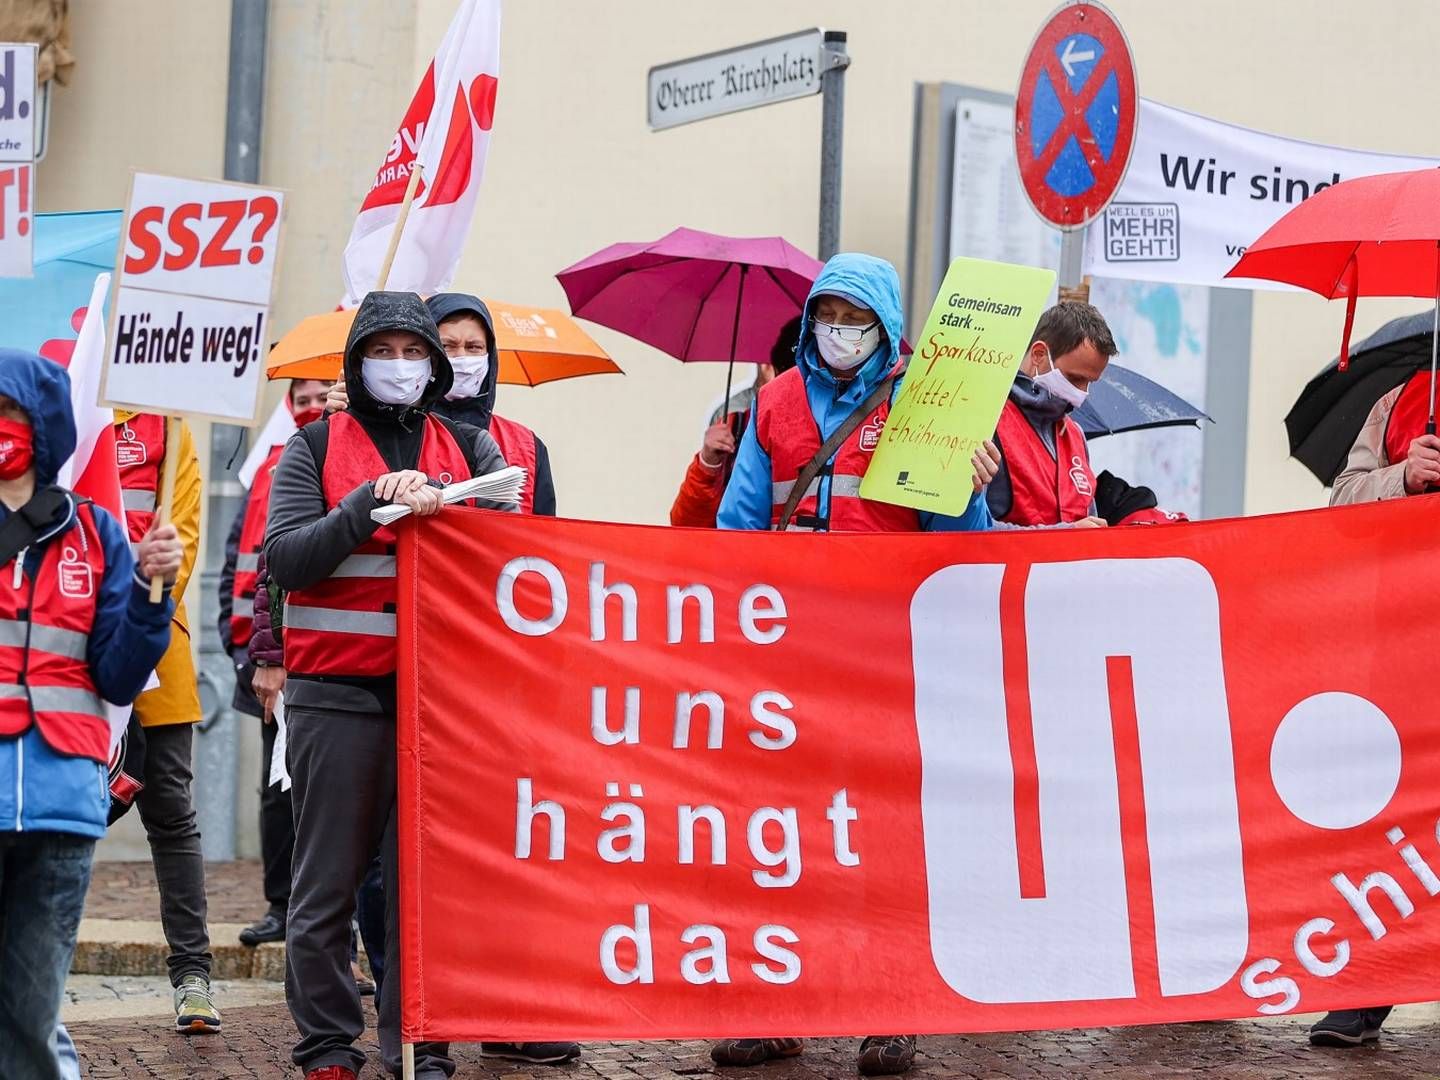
[
  {"x": 256, "y": 1044},
  {"x": 126, "y": 890}
]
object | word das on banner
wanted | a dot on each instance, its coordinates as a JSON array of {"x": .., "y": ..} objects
[
  {"x": 964, "y": 362},
  {"x": 1052, "y": 780},
  {"x": 195, "y": 275},
  {"x": 17, "y": 159}
]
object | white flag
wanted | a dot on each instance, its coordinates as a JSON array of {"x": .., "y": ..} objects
[{"x": 447, "y": 127}]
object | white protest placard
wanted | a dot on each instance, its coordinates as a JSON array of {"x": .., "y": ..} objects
[
  {"x": 1199, "y": 191},
  {"x": 17, "y": 159},
  {"x": 17, "y": 102},
  {"x": 193, "y": 283}
]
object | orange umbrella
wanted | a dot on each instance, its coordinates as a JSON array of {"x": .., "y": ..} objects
[
  {"x": 540, "y": 345},
  {"x": 536, "y": 345}
]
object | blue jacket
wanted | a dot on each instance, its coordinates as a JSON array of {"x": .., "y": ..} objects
[
  {"x": 40, "y": 789},
  {"x": 873, "y": 283}
]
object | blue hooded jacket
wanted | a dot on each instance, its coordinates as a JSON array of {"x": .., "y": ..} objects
[
  {"x": 40, "y": 789},
  {"x": 873, "y": 283}
]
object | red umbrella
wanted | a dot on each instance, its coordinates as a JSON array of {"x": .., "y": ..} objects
[{"x": 1371, "y": 236}]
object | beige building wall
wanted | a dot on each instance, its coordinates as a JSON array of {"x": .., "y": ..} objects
[{"x": 573, "y": 166}]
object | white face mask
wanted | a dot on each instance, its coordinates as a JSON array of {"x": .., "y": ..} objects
[
  {"x": 846, "y": 355},
  {"x": 395, "y": 382},
  {"x": 470, "y": 372},
  {"x": 1057, "y": 385}
]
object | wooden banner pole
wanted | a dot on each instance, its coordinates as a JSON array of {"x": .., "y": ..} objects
[
  {"x": 167, "y": 492},
  {"x": 407, "y": 1062},
  {"x": 399, "y": 229}
]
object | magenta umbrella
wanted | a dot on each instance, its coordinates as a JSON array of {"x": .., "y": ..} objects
[{"x": 695, "y": 295}]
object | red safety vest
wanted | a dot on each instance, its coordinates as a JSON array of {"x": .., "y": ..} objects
[
  {"x": 787, "y": 432},
  {"x": 247, "y": 560},
  {"x": 1408, "y": 418},
  {"x": 517, "y": 447},
  {"x": 139, "y": 453},
  {"x": 1046, "y": 489},
  {"x": 345, "y": 625},
  {"x": 44, "y": 641}
]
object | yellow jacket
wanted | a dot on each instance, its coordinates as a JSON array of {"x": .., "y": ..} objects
[{"x": 177, "y": 700}]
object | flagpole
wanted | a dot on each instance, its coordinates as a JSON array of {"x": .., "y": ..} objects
[{"x": 395, "y": 233}]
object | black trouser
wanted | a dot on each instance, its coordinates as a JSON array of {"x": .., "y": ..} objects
[
  {"x": 168, "y": 813},
  {"x": 342, "y": 767},
  {"x": 277, "y": 828}
]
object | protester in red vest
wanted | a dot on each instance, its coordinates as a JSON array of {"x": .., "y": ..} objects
[
  {"x": 1391, "y": 458},
  {"x": 306, "y": 402},
  {"x": 168, "y": 713},
  {"x": 81, "y": 631},
  {"x": 468, "y": 334},
  {"x": 698, "y": 500},
  {"x": 338, "y": 568},
  {"x": 1045, "y": 477},
  {"x": 846, "y": 374}
]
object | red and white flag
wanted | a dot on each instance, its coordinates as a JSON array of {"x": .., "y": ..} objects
[
  {"x": 91, "y": 470},
  {"x": 447, "y": 127}
]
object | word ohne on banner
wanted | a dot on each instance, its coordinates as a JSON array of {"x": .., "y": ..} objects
[{"x": 1192, "y": 806}]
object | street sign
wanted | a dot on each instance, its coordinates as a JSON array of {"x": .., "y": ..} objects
[
  {"x": 746, "y": 77},
  {"x": 1075, "y": 114}
]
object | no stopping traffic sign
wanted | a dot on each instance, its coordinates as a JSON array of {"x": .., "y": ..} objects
[{"x": 1075, "y": 114}]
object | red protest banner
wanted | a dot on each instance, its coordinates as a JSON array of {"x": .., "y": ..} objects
[{"x": 661, "y": 784}]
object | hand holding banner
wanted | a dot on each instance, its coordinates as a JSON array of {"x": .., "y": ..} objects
[{"x": 955, "y": 387}]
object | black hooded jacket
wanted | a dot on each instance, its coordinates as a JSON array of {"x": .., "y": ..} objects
[
  {"x": 477, "y": 411},
  {"x": 304, "y": 539}
]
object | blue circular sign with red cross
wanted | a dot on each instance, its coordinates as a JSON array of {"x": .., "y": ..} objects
[{"x": 1075, "y": 114}]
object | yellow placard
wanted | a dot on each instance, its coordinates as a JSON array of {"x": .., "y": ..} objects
[{"x": 965, "y": 360}]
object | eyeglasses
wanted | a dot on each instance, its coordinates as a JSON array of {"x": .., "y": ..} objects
[{"x": 852, "y": 334}]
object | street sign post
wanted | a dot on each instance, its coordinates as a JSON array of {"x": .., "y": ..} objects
[
  {"x": 763, "y": 73},
  {"x": 1075, "y": 119}
]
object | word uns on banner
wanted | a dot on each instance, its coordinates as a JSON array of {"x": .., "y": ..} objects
[{"x": 208, "y": 235}]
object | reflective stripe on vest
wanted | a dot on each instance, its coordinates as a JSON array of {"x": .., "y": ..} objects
[
  {"x": 346, "y": 625},
  {"x": 138, "y": 499},
  {"x": 71, "y": 644},
  {"x": 787, "y": 432},
  {"x": 139, "y": 453},
  {"x": 45, "y": 678},
  {"x": 62, "y": 699},
  {"x": 1408, "y": 418},
  {"x": 1045, "y": 488},
  {"x": 517, "y": 447}
]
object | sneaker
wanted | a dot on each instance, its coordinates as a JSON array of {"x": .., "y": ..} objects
[
  {"x": 1349, "y": 1027},
  {"x": 886, "y": 1055},
  {"x": 331, "y": 1072},
  {"x": 363, "y": 982},
  {"x": 742, "y": 1053},
  {"x": 537, "y": 1053},
  {"x": 195, "y": 1012},
  {"x": 269, "y": 928}
]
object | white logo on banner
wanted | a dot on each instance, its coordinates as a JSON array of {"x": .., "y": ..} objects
[{"x": 1073, "y": 942}]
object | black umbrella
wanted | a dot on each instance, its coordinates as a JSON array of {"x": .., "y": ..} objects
[
  {"x": 1329, "y": 413},
  {"x": 1124, "y": 400}
]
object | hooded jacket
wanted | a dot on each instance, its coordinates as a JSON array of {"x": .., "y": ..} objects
[
  {"x": 477, "y": 411},
  {"x": 873, "y": 283},
  {"x": 305, "y": 540},
  {"x": 40, "y": 789}
]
